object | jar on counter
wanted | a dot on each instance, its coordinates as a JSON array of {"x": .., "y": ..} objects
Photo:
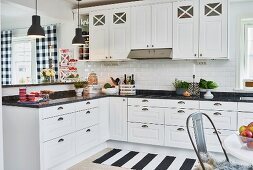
[{"x": 93, "y": 79}]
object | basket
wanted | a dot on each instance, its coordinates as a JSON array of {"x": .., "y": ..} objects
[{"x": 127, "y": 89}]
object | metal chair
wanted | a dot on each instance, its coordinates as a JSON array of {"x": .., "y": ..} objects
[{"x": 198, "y": 129}]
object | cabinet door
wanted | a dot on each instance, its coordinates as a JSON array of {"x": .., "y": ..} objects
[
  {"x": 119, "y": 33},
  {"x": 141, "y": 27},
  {"x": 99, "y": 35},
  {"x": 213, "y": 40},
  {"x": 118, "y": 118},
  {"x": 162, "y": 26},
  {"x": 185, "y": 30}
]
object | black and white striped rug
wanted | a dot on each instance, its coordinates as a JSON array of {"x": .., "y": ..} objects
[{"x": 144, "y": 161}]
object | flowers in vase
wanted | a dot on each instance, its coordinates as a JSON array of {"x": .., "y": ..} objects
[{"x": 48, "y": 74}]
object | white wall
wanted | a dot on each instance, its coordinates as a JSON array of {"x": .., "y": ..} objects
[{"x": 160, "y": 74}]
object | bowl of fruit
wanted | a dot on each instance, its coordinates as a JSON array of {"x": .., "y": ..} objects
[{"x": 246, "y": 136}]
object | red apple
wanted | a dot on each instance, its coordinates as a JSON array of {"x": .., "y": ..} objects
[{"x": 248, "y": 133}]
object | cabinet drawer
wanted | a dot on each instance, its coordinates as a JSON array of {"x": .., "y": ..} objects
[
  {"x": 221, "y": 119},
  {"x": 146, "y": 114},
  {"x": 58, "y": 150},
  {"x": 86, "y": 104},
  {"x": 176, "y": 136},
  {"x": 187, "y": 104},
  {"x": 86, "y": 118},
  {"x": 146, "y": 133},
  {"x": 58, "y": 126},
  {"x": 147, "y": 102},
  {"x": 86, "y": 139},
  {"x": 178, "y": 117},
  {"x": 245, "y": 107},
  {"x": 212, "y": 141},
  {"x": 215, "y": 105},
  {"x": 57, "y": 110},
  {"x": 244, "y": 118}
]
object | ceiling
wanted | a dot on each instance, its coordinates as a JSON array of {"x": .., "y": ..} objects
[{"x": 89, "y": 3}]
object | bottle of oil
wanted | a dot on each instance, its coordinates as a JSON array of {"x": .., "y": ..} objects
[{"x": 132, "y": 80}]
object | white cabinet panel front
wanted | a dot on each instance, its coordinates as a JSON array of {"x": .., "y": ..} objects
[
  {"x": 217, "y": 105},
  {"x": 146, "y": 133},
  {"x": 58, "y": 126},
  {"x": 178, "y": 117},
  {"x": 87, "y": 118},
  {"x": 146, "y": 115},
  {"x": 58, "y": 150}
]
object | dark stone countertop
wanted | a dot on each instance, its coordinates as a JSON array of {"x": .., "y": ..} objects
[{"x": 66, "y": 97}]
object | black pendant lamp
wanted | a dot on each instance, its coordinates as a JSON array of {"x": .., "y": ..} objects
[
  {"x": 78, "y": 39},
  {"x": 36, "y": 31}
]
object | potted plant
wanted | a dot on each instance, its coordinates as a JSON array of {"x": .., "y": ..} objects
[
  {"x": 208, "y": 86},
  {"x": 181, "y": 86},
  {"x": 79, "y": 85}
]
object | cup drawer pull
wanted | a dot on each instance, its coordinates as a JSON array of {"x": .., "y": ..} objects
[
  {"x": 87, "y": 103},
  {"x": 180, "y": 129},
  {"x": 144, "y": 126},
  {"x": 217, "y": 104},
  {"x": 61, "y": 140},
  {"x": 181, "y": 102},
  {"x": 88, "y": 112},
  {"x": 88, "y": 130},
  {"x": 181, "y": 111},
  {"x": 217, "y": 114},
  {"x": 145, "y": 101},
  {"x": 144, "y": 109},
  {"x": 60, "y": 119},
  {"x": 60, "y": 108}
]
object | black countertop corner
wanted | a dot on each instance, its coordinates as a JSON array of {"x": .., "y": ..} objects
[{"x": 65, "y": 97}]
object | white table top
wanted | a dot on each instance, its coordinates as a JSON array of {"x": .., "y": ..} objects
[{"x": 233, "y": 146}]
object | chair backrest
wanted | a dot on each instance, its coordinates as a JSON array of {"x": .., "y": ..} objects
[{"x": 197, "y": 120}]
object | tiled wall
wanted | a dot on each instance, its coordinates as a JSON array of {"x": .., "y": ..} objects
[{"x": 160, "y": 74}]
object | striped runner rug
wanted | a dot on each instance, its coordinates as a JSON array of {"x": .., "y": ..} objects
[{"x": 144, "y": 161}]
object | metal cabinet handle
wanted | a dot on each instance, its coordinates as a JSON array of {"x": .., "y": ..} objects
[
  {"x": 217, "y": 114},
  {"x": 61, "y": 140},
  {"x": 88, "y": 112},
  {"x": 181, "y": 111},
  {"x": 110, "y": 56},
  {"x": 124, "y": 100},
  {"x": 201, "y": 55},
  {"x": 152, "y": 45},
  {"x": 181, "y": 102},
  {"x": 180, "y": 129},
  {"x": 87, "y": 103},
  {"x": 147, "y": 45},
  {"x": 217, "y": 104},
  {"x": 106, "y": 57},
  {"x": 217, "y": 131},
  {"x": 195, "y": 55},
  {"x": 144, "y": 100},
  {"x": 145, "y": 109},
  {"x": 60, "y": 119},
  {"x": 60, "y": 108},
  {"x": 88, "y": 130},
  {"x": 144, "y": 126}
]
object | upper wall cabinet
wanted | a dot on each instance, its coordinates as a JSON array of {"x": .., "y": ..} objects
[
  {"x": 109, "y": 34},
  {"x": 151, "y": 26},
  {"x": 200, "y": 29}
]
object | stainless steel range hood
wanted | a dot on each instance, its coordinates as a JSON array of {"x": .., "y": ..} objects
[{"x": 164, "y": 53}]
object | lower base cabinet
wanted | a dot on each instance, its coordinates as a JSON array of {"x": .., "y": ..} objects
[
  {"x": 146, "y": 133},
  {"x": 87, "y": 138},
  {"x": 58, "y": 150},
  {"x": 177, "y": 136}
]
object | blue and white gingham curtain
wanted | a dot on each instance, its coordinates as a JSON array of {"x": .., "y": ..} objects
[
  {"x": 42, "y": 50},
  {"x": 6, "y": 42}
]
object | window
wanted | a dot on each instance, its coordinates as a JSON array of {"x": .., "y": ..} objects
[{"x": 23, "y": 60}]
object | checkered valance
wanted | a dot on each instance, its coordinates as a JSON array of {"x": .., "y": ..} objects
[
  {"x": 43, "y": 53},
  {"x": 6, "y": 40}
]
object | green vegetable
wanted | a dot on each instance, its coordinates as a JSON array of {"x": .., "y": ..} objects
[
  {"x": 179, "y": 84},
  {"x": 107, "y": 85},
  {"x": 80, "y": 84},
  {"x": 203, "y": 84}
]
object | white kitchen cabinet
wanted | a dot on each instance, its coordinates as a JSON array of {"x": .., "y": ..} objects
[
  {"x": 99, "y": 35},
  {"x": 200, "y": 29},
  {"x": 146, "y": 133},
  {"x": 151, "y": 26},
  {"x": 217, "y": 105},
  {"x": 213, "y": 40},
  {"x": 118, "y": 118},
  {"x": 119, "y": 33},
  {"x": 185, "y": 29}
]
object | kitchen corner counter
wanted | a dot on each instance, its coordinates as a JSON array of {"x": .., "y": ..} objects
[{"x": 67, "y": 97}]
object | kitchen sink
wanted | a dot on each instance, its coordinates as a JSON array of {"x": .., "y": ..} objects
[{"x": 246, "y": 98}]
